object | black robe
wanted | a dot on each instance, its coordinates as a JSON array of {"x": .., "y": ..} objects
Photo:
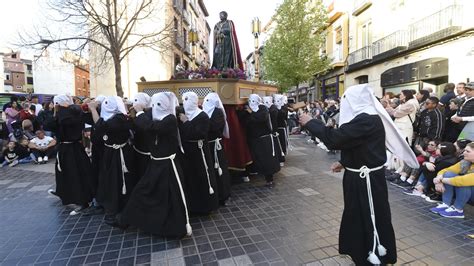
[
  {"x": 156, "y": 203},
  {"x": 195, "y": 178},
  {"x": 260, "y": 141},
  {"x": 217, "y": 124},
  {"x": 116, "y": 130},
  {"x": 97, "y": 152},
  {"x": 282, "y": 127},
  {"x": 141, "y": 146},
  {"x": 362, "y": 142},
  {"x": 276, "y": 139},
  {"x": 74, "y": 181}
]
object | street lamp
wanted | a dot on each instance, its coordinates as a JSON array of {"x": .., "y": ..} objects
[
  {"x": 193, "y": 39},
  {"x": 256, "y": 30}
]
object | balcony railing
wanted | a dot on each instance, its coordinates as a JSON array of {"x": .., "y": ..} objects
[
  {"x": 178, "y": 6},
  {"x": 390, "y": 42},
  {"x": 179, "y": 41},
  {"x": 365, "y": 53},
  {"x": 337, "y": 56},
  {"x": 186, "y": 17},
  {"x": 438, "y": 25}
]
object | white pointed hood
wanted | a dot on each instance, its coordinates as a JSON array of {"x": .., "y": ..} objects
[
  {"x": 361, "y": 99},
  {"x": 143, "y": 99},
  {"x": 62, "y": 100},
  {"x": 254, "y": 102},
  {"x": 190, "y": 104},
  {"x": 268, "y": 101},
  {"x": 211, "y": 102},
  {"x": 278, "y": 100},
  {"x": 111, "y": 106},
  {"x": 163, "y": 104}
]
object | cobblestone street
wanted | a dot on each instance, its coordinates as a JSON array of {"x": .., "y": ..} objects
[{"x": 296, "y": 222}]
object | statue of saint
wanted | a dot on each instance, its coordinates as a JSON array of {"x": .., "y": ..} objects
[{"x": 226, "y": 46}]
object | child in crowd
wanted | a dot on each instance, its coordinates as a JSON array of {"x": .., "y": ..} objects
[{"x": 15, "y": 154}]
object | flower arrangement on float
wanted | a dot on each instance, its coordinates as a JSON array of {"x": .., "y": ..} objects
[{"x": 209, "y": 73}]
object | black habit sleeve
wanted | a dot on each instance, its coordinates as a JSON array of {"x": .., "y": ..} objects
[
  {"x": 159, "y": 127},
  {"x": 349, "y": 135},
  {"x": 195, "y": 129}
]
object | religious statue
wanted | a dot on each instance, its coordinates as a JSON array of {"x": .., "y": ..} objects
[{"x": 226, "y": 46}]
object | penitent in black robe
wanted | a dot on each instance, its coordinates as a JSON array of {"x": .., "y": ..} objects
[
  {"x": 264, "y": 155},
  {"x": 116, "y": 130},
  {"x": 97, "y": 152},
  {"x": 217, "y": 124},
  {"x": 141, "y": 146},
  {"x": 74, "y": 181},
  {"x": 156, "y": 203},
  {"x": 282, "y": 127},
  {"x": 276, "y": 139},
  {"x": 362, "y": 142},
  {"x": 195, "y": 177}
]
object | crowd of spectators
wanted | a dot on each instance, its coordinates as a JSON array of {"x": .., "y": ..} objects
[
  {"x": 440, "y": 131},
  {"x": 26, "y": 132}
]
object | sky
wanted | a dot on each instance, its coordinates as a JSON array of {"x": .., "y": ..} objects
[{"x": 240, "y": 11}]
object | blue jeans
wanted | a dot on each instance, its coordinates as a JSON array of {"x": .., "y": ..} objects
[
  {"x": 463, "y": 194},
  {"x": 422, "y": 181}
]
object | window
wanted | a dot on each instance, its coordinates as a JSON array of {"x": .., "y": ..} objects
[
  {"x": 13, "y": 55},
  {"x": 338, "y": 33},
  {"x": 7, "y": 76},
  {"x": 362, "y": 79},
  {"x": 29, "y": 80},
  {"x": 29, "y": 67},
  {"x": 366, "y": 34}
]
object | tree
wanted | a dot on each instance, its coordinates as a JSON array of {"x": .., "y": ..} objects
[
  {"x": 292, "y": 51},
  {"x": 109, "y": 26}
]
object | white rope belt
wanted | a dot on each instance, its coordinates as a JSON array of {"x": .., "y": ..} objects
[
  {"x": 285, "y": 130},
  {"x": 279, "y": 143},
  {"x": 141, "y": 152},
  {"x": 57, "y": 155},
  {"x": 200, "y": 146},
  {"x": 122, "y": 161},
  {"x": 364, "y": 172},
  {"x": 217, "y": 147},
  {"x": 273, "y": 144},
  {"x": 189, "y": 230}
]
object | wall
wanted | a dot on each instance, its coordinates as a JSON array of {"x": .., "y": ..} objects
[
  {"x": 2, "y": 74},
  {"x": 53, "y": 76},
  {"x": 81, "y": 82},
  {"x": 460, "y": 54}
]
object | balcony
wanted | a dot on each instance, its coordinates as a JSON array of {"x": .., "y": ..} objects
[
  {"x": 337, "y": 58},
  {"x": 390, "y": 45},
  {"x": 360, "y": 56},
  {"x": 179, "y": 41},
  {"x": 178, "y": 6},
  {"x": 193, "y": 6},
  {"x": 188, "y": 49},
  {"x": 186, "y": 17},
  {"x": 437, "y": 26}
]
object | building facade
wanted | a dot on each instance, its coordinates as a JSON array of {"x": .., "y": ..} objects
[
  {"x": 183, "y": 18},
  {"x": 14, "y": 72},
  {"x": 408, "y": 44},
  {"x": 330, "y": 84},
  {"x": 64, "y": 73}
]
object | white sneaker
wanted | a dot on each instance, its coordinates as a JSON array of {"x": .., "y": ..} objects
[
  {"x": 246, "y": 179},
  {"x": 40, "y": 160},
  {"x": 45, "y": 159},
  {"x": 282, "y": 164},
  {"x": 77, "y": 210}
]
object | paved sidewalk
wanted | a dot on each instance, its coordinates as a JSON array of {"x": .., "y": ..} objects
[{"x": 297, "y": 222}]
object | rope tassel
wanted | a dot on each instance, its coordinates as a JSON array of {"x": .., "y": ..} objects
[{"x": 200, "y": 146}]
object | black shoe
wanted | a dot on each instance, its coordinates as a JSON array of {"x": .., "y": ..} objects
[
  {"x": 269, "y": 184},
  {"x": 93, "y": 210},
  {"x": 396, "y": 182},
  {"x": 392, "y": 177},
  {"x": 405, "y": 185},
  {"x": 433, "y": 198},
  {"x": 389, "y": 172},
  {"x": 116, "y": 223}
]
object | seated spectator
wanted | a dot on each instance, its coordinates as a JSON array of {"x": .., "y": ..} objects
[
  {"x": 460, "y": 145},
  {"x": 24, "y": 151},
  {"x": 456, "y": 183},
  {"x": 446, "y": 156},
  {"x": 46, "y": 119},
  {"x": 28, "y": 129},
  {"x": 42, "y": 147},
  {"x": 26, "y": 112},
  {"x": 14, "y": 154}
]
